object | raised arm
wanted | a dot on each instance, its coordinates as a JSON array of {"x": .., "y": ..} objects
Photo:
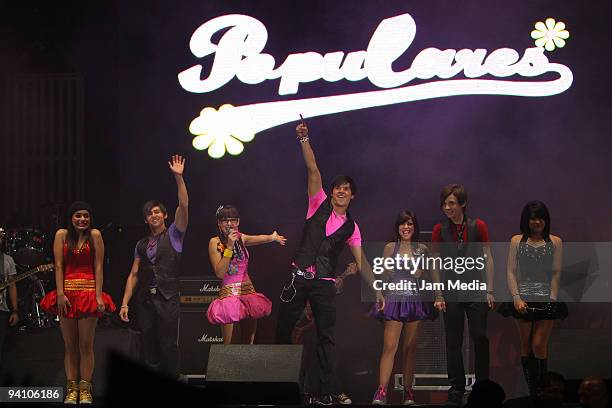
[
  {"x": 98, "y": 244},
  {"x": 181, "y": 216},
  {"x": 557, "y": 263},
  {"x": 314, "y": 176},
  {"x": 250, "y": 240}
]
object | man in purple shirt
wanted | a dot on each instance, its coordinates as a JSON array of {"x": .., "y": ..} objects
[{"x": 154, "y": 278}]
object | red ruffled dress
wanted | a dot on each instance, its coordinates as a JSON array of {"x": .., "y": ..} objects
[{"x": 79, "y": 286}]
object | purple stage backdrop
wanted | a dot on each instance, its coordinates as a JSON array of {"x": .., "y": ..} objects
[{"x": 505, "y": 149}]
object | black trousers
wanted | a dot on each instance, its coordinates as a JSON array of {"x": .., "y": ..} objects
[
  {"x": 322, "y": 297},
  {"x": 476, "y": 313},
  {"x": 158, "y": 320}
]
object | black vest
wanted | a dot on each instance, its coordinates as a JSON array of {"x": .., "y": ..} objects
[
  {"x": 165, "y": 269},
  {"x": 471, "y": 248},
  {"x": 317, "y": 249}
]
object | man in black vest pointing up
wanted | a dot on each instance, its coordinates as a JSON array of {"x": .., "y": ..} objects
[
  {"x": 154, "y": 277},
  {"x": 327, "y": 228}
]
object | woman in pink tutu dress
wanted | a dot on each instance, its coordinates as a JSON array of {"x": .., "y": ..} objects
[
  {"x": 238, "y": 301},
  {"x": 78, "y": 299}
]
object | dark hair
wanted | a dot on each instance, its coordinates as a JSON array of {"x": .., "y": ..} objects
[
  {"x": 458, "y": 191},
  {"x": 402, "y": 217},
  {"x": 342, "y": 179},
  {"x": 227, "y": 211},
  {"x": 535, "y": 209},
  {"x": 72, "y": 237},
  {"x": 149, "y": 205}
]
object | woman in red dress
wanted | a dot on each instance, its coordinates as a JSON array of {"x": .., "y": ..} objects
[{"x": 78, "y": 300}]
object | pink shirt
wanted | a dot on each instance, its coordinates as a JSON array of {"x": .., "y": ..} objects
[{"x": 334, "y": 222}]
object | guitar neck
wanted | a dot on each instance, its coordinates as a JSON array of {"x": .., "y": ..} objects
[{"x": 4, "y": 285}]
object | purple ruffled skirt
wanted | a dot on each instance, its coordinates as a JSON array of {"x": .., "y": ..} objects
[{"x": 405, "y": 310}]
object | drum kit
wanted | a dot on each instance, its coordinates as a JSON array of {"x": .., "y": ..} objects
[{"x": 27, "y": 248}]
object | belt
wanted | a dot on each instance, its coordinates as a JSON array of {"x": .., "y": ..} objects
[
  {"x": 305, "y": 275},
  {"x": 236, "y": 289},
  {"x": 79, "y": 284}
]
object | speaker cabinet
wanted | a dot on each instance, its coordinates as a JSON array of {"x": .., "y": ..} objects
[
  {"x": 255, "y": 374},
  {"x": 196, "y": 335}
]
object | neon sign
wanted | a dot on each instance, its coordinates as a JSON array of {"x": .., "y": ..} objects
[{"x": 238, "y": 54}]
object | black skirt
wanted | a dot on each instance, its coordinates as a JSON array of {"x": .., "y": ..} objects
[{"x": 535, "y": 311}]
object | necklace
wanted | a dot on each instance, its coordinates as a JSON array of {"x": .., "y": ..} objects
[{"x": 536, "y": 243}]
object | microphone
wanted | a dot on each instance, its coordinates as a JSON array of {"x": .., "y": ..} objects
[{"x": 237, "y": 247}]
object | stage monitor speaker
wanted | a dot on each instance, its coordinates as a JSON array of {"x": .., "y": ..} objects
[
  {"x": 255, "y": 374},
  {"x": 196, "y": 334}
]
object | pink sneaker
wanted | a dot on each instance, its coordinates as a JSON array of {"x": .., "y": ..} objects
[
  {"x": 409, "y": 397},
  {"x": 380, "y": 397}
]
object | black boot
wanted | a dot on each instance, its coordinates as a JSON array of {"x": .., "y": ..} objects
[
  {"x": 528, "y": 372},
  {"x": 540, "y": 368}
]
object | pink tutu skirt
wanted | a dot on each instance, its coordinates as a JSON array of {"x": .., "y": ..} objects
[{"x": 237, "y": 307}]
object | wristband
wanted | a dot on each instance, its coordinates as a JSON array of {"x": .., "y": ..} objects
[
  {"x": 124, "y": 307},
  {"x": 304, "y": 139},
  {"x": 490, "y": 292},
  {"x": 228, "y": 253}
]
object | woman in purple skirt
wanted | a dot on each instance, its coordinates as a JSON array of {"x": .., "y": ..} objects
[{"x": 404, "y": 309}]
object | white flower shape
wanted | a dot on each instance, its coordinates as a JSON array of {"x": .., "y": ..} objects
[
  {"x": 220, "y": 131},
  {"x": 550, "y": 34}
]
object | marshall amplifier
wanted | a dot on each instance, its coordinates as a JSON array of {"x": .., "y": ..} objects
[
  {"x": 199, "y": 292},
  {"x": 196, "y": 334}
]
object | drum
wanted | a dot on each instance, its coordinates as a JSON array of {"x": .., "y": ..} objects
[
  {"x": 26, "y": 246},
  {"x": 31, "y": 291}
]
